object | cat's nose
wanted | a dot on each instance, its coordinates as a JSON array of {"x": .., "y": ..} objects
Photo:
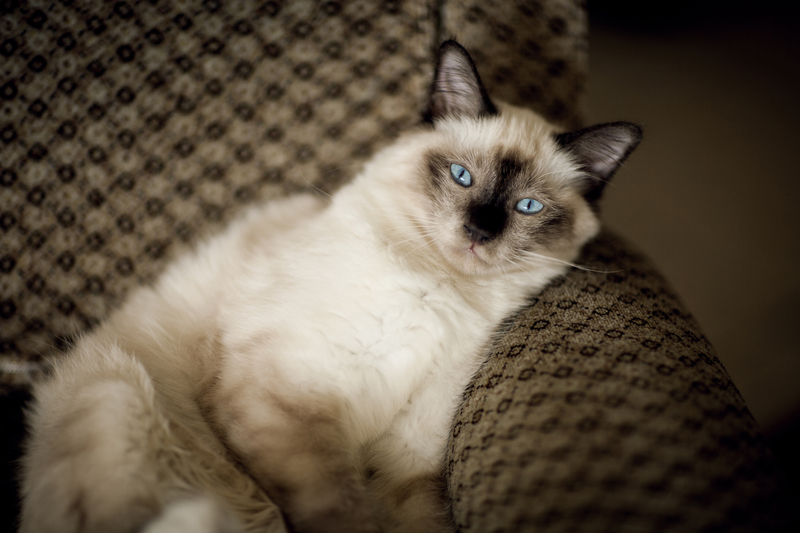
[
  {"x": 478, "y": 235},
  {"x": 485, "y": 222}
]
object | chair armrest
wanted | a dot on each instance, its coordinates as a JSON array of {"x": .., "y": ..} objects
[{"x": 603, "y": 407}]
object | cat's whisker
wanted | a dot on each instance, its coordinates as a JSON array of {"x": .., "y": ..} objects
[
  {"x": 528, "y": 256},
  {"x": 314, "y": 186},
  {"x": 427, "y": 240},
  {"x": 519, "y": 269},
  {"x": 414, "y": 238},
  {"x": 506, "y": 273},
  {"x": 420, "y": 233},
  {"x": 545, "y": 260},
  {"x": 402, "y": 216}
]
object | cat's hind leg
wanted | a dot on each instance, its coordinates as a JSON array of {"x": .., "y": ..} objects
[
  {"x": 96, "y": 452},
  {"x": 199, "y": 514},
  {"x": 297, "y": 450}
]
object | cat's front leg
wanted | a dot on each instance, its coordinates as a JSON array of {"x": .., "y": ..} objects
[
  {"x": 297, "y": 451},
  {"x": 405, "y": 473},
  {"x": 417, "y": 503}
]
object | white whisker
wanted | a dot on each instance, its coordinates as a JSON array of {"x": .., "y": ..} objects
[
  {"x": 314, "y": 186},
  {"x": 528, "y": 255}
]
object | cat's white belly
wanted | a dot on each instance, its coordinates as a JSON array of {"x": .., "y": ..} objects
[{"x": 365, "y": 335}]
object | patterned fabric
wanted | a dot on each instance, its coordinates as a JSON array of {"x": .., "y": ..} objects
[
  {"x": 602, "y": 408},
  {"x": 129, "y": 129},
  {"x": 531, "y": 54}
]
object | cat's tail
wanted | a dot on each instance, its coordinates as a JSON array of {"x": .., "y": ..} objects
[{"x": 103, "y": 457}]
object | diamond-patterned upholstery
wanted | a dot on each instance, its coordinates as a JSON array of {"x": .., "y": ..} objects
[{"x": 130, "y": 129}]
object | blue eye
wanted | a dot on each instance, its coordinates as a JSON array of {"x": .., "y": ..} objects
[
  {"x": 529, "y": 206},
  {"x": 460, "y": 175}
]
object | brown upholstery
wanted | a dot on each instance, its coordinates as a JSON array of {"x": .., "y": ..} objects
[
  {"x": 603, "y": 408},
  {"x": 130, "y": 129}
]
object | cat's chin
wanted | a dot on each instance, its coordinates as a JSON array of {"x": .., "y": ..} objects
[{"x": 469, "y": 259}]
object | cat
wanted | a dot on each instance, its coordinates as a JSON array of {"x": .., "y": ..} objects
[{"x": 301, "y": 370}]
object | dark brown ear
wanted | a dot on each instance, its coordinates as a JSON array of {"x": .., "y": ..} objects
[
  {"x": 600, "y": 150},
  {"x": 457, "y": 89}
]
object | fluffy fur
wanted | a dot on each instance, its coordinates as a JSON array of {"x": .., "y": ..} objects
[{"x": 305, "y": 365}]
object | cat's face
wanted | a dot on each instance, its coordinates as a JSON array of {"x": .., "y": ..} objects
[
  {"x": 502, "y": 194},
  {"x": 505, "y": 191}
]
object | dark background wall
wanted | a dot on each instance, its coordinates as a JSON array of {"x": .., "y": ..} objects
[{"x": 712, "y": 193}]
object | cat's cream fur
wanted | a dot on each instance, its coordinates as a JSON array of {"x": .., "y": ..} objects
[{"x": 314, "y": 353}]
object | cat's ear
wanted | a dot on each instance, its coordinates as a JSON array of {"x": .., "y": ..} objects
[
  {"x": 600, "y": 150},
  {"x": 457, "y": 89}
]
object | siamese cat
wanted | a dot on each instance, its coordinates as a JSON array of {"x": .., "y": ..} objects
[{"x": 300, "y": 371}]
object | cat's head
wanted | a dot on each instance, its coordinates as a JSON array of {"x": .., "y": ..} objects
[{"x": 502, "y": 185}]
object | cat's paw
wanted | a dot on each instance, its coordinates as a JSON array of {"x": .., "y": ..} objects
[
  {"x": 194, "y": 515},
  {"x": 344, "y": 509}
]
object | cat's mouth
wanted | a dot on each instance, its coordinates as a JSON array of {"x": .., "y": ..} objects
[
  {"x": 467, "y": 255},
  {"x": 473, "y": 250},
  {"x": 472, "y": 256}
]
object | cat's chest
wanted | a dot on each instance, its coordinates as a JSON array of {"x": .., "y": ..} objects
[
  {"x": 358, "y": 320},
  {"x": 378, "y": 318},
  {"x": 385, "y": 318}
]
